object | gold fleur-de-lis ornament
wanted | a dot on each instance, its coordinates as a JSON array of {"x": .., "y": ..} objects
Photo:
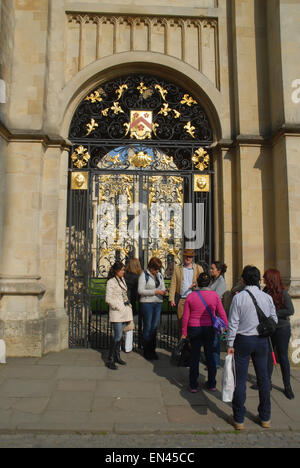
[
  {"x": 80, "y": 157},
  {"x": 201, "y": 159}
]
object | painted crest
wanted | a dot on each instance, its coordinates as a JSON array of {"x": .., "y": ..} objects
[{"x": 140, "y": 124}]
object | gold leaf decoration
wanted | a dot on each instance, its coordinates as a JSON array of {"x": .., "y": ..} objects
[
  {"x": 142, "y": 87},
  {"x": 105, "y": 112},
  {"x": 121, "y": 90},
  {"x": 115, "y": 160},
  {"x": 201, "y": 183},
  {"x": 91, "y": 126},
  {"x": 96, "y": 96},
  {"x": 140, "y": 159},
  {"x": 127, "y": 126},
  {"x": 176, "y": 114},
  {"x": 165, "y": 109},
  {"x": 201, "y": 159},
  {"x": 190, "y": 129},
  {"x": 163, "y": 92},
  {"x": 80, "y": 157},
  {"x": 154, "y": 128},
  {"x": 117, "y": 108},
  {"x": 188, "y": 100},
  {"x": 79, "y": 180}
]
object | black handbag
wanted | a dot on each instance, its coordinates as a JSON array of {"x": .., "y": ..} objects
[
  {"x": 267, "y": 325},
  {"x": 181, "y": 355}
]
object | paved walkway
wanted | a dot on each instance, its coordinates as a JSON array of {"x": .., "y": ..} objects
[{"x": 73, "y": 391}]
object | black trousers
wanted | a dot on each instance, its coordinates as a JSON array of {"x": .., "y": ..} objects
[{"x": 280, "y": 341}]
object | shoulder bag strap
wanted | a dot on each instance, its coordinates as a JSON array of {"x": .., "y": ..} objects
[
  {"x": 205, "y": 303},
  {"x": 259, "y": 312}
]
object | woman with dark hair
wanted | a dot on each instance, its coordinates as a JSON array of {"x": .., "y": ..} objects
[
  {"x": 197, "y": 325},
  {"x": 151, "y": 288},
  {"x": 217, "y": 272},
  {"x": 120, "y": 311},
  {"x": 281, "y": 338},
  {"x": 132, "y": 273}
]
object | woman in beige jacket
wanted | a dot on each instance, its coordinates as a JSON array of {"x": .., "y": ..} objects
[{"x": 120, "y": 311}]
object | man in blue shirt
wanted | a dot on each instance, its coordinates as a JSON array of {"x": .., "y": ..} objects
[{"x": 243, "y": 342}]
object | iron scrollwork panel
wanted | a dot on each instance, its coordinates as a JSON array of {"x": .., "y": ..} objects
[
  {"x": 136, "y": 216},
  {"x": 165, "y": 195},
  {"x": 113, "y": 194},
  {"x": 139, "y": 108},
  {"x": 78, "y": 260}
]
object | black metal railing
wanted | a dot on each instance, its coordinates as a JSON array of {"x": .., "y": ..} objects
[{"x": 100, "y": 330}]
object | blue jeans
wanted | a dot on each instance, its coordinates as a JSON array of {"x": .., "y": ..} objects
[
  {"x": 151, "y": 314},
  {"x": 118, "y": 328},
  {"x": 217, "y": 349},
  {"x": 202, "y": 336},
  {"x": 258, "y": 349}
]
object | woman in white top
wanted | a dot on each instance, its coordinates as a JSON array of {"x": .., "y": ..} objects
[{"x": 120, "y": 311}]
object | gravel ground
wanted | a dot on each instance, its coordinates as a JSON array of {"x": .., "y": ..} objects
[{"x": 266, "y": 439}]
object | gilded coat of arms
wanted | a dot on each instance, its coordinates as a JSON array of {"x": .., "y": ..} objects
[{"x": 140, "y": 124}]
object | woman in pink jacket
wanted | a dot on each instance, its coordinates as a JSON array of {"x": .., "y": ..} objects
[{"x": 197, "y": 325}]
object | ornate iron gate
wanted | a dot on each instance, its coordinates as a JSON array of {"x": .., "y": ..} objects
[{"x": 139, "y": 186}]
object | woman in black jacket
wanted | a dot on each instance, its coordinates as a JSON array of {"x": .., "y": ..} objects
[
  {"x": 132, "y": 273},
  {"x": 281, "y": 337}
]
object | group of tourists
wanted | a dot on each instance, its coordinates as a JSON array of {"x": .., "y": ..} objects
[{"x": 198, "y": 295}]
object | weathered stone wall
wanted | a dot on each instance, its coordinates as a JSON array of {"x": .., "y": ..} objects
[{"x": 90, "y": 37}]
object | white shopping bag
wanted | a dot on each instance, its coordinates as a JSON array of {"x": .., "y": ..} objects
[
  {"x": 2, "y": 352},
  {"x": 128, "y": 341},
  {"x": 228, "y": 378}
]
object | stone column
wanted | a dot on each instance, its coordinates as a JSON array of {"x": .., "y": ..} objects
[
  {"x": 52, "y": 241},
  {"x": 32, "y": 270},
  {"x": 21, "y": 289},
  {"x": 256, "y": 205},
  {"x": 255, "y": 216},
  {"x": 225, "y": 210}
]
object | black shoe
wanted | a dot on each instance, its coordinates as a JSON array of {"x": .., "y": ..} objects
[
  {"x": 111, "y": 357},
  {"x": 118, "y": 360},
  {"x": 152, "y": 347},
  {"x": 111, "y": 365},
  {"x": 117, "y": 354},
  {"x": 153, "y": 355},
  {"x": 147, "y": 351},
  {"x": 289, "y": 392},
  {"x": 147, "y": 356}
]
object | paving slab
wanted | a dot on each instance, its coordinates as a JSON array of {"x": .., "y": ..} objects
[
  {"x": 74, "y": 392},
  {"x": 26, "y": 388}
]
